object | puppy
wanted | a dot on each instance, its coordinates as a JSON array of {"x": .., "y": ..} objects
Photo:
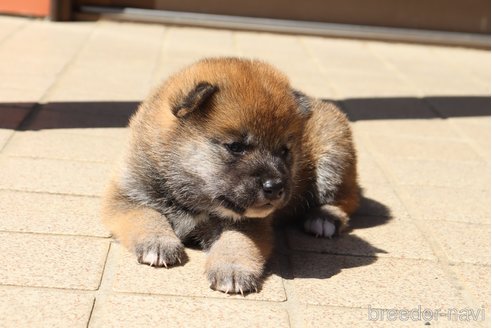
[{"x": 216, "y": 153}]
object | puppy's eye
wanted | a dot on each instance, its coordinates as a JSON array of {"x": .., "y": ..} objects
[
  {"x": 236, "y": 148},
  {"x": 284, "y": 151}
]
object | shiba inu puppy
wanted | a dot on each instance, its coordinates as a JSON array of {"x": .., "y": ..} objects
[{"x": 216, "y": 153}]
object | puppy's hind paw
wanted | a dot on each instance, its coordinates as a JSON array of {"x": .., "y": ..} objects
[
  {"x": 320, "y": 227},
  {"x": 326, "y": 221}
]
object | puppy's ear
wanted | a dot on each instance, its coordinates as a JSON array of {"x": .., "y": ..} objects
[
  {"x": 193, "y": 100},
  {"x": 303, "y": 103}
]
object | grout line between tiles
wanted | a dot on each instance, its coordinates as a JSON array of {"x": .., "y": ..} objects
[
  {"x": 17, "y": 30},
  {"x": 198, "y": 297},
  {"x": 68, "y": 235},
  {"x": 48, "y": 288},
  {"x": 2, "y": 147},
  {"x": 53, "y": 159},
  {"x": 48, "y": 193},
  {"x": 67, "y": 65},
  {"x": 64, "y": 159},
  {"x": 159, "y": 58},
  {"x": 105, "y": 287},
  {"x": 292, "y": 304},
  {"x": 91, "y": 312}
]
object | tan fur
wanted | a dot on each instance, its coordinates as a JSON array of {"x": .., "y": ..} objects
[
  {"x": 178, "y": 183},
  {"x": 138, "y": 224}
]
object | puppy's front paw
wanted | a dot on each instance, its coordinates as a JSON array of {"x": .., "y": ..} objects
[
  {"x": 233, "y": 278},
  {"x": 160, "y": 251}
]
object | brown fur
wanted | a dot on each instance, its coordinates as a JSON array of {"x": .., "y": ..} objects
[{"x": 206, "y": 149}]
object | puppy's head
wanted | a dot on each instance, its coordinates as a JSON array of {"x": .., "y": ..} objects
[{"x": 239, "y": 127}]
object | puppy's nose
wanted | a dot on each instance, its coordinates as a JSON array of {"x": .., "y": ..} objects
[{"x": 273, "y": 189}]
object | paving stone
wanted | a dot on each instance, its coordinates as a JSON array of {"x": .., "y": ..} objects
[
  {"x": 452, "y": 174},
  {"x": 436, "y": 128},
  {"x": 380, "y": 200},
  {"x": 476, "y": 279},
  {"x": 314, "y": 86},
  {"x": 204, "y": 42},
  {"x": 183, "y": 46},
  {"x": 116, "y": 63},
  {"x": 169, "y": 65},
  {"x": 447, "y": 204},
  {"x": 33, "y": 57},
  {"x": 5, "y": 135},
  {"x": 114, "y": 132},
  {"x": 444, "y": 81},
  {"x": 186, "y": 280},
  {"x": 305, "y": 75},
  {"x": 371, "y": 236},
  {"x": 462, "y": 243},
  {"x": 140, "y": 311},
  {"x": 422, "y": 148},
  {"x": 476, "y": 62},
  {"x": 381, "y": 283},
  {"x": 52, "y": 261},
  {"x": 368, "y": 171},
  {"x": 24, "y": 90},
  {"x": 427, "y": 72},
  {"x": 55, "y": 145},
  {"x": 31, "y": 308},
  {"x": 476, "y": 130},
  {"x": 266, "y": 46},
  {"x": 353, "y": 72},
  {"x": 404, "y": 53},
  {"x": 42, "y": 48},
  {"x": 336, "y": 55},
  {"x": 10, "y": 25},
  {"x": 53, "y": 176},
  {"x": 359, "y": 84},
  {"x": 49, "y": 213}
]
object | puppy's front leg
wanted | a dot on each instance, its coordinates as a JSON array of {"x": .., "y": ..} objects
[
  {"x": 236, "y": 260},
  {"x": 141, "y": 230}
]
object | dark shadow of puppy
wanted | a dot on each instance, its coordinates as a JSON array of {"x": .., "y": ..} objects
[
  {"x": 370, "y": 213},
  {"x": 70, "y": 115},
  {"x": 304, "y": 256}
]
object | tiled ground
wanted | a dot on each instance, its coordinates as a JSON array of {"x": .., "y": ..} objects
[{"x": 421, "y": 120}]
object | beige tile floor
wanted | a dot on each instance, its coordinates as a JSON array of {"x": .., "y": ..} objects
[{"x": 421, "y": 121}]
